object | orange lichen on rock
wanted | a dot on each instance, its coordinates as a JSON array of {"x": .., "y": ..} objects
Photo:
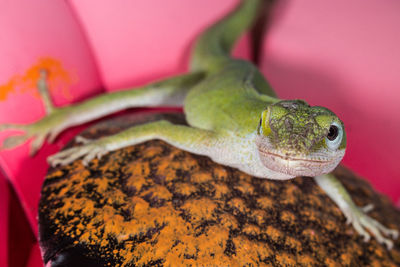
[
  {"x": 287, "y": 216},
  {"x": 330, "y": 225},
  {"x": 220, "y": 173},
  {"x": 229, "y": 221},
  {"x": 259, "y": 216},
  {"x": 168, "y": 169},
  {"x": 238, "y": 205},
  {"x": 287, "y": 259},
  {"x": 274, "y": 233},
  {"x": 394, "y": 253},
  {"x": 137, "y": 176},
  {"x": 251, "y": 230},
  {"x": 245, "y": 187},
  {"x": 265, "y": 202},
  {"x": 152, "y": 151},
  {"x": 185, "y": 189},
  {"x": 220, "y": 189},
  {"x": 331, "y": 263},
  {"x": 305, "y": 260},
  {"x": 201, "y": 177},
  {"x": 249, "y": 252},
  {"x": 292, "y": 243},
  {"x": 200, "y": 209},
  {"x": 289, "y": 195},
  {"x": 310, "y": 214},
  {"x": 58, "y": 78},
  {"x": 157, "y": 192}
]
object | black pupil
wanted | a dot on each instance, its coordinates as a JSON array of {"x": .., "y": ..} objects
[{"x": 333, "y": 132}]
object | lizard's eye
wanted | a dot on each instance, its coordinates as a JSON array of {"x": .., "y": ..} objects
[
  {"x": 333, "y": 133},
  {"x": 334, "y": 136}
]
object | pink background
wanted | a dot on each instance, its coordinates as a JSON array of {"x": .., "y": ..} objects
[{"x": 342, "y": 54}]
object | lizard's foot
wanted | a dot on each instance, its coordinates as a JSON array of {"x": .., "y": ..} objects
[
  {"x": 89, "y": 150},
  {"x": 39, "y": 131},
  {"x": 13, "y": 141},
  {"x": 48, "y": 127},
  {"x": 361, "y": 222},
  {"x": 357, "y": 216}
]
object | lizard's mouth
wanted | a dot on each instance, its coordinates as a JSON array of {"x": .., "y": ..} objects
[
  {"x": 293, "y": 158},
  {"x": 297, "y": 166},
  {"x": 314, "y": 164}
]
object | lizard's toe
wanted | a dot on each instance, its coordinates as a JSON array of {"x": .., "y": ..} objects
[
  {"x": 93, "y": 149},
  {"x": 363, "y": 223},
  {"x": 95, "y": 152},
  {"x": 83, "y": 140},
  {"x": 14, "y": 141}
]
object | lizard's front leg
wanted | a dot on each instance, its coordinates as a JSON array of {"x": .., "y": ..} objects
[
  {"x": 355, "y": 215},
  {"x": 190, "y": 139}
]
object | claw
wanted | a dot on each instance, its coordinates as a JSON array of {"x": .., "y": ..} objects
[
  {"x": 368, "y": 208},
  {"x": 388, "y": 243},
  {"x": 389, "y": 232},
  {"x": 394, "y": 233},
  {"x": 362, "y": 222}
]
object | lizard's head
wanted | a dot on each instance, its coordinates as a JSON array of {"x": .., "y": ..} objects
[{"x": 296, "y": 139}]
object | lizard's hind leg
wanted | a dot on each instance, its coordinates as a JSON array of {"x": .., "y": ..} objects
[{"x": 169, "y": 92}]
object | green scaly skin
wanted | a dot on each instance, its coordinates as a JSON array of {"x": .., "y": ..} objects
[{"x": 234, "y": 118}]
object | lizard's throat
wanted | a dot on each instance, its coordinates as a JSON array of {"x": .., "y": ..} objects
[{"x": 316, "y": 163}]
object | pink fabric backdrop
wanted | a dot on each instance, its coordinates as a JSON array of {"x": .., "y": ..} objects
[{"x": 341, "y": 54}]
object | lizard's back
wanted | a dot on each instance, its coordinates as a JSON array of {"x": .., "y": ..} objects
[{"x": 214, "y": 102}]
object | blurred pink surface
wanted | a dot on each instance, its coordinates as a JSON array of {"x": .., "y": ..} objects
[
  {"x": 32, "y": 30},
  {"x": 4, "y": 201},
  {"x": 35, "y": 259},
  {"x": 141, "y": 41},
  {"x": 340, "y": 54}
]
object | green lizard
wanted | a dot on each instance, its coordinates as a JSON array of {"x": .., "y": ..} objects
[{"x": 234, "y": 118}]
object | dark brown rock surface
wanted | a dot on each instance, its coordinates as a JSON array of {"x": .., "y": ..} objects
[{"x": 153, "y": 204}]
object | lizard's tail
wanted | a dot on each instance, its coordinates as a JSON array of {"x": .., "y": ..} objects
[{"x": 214, "y": 45}]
